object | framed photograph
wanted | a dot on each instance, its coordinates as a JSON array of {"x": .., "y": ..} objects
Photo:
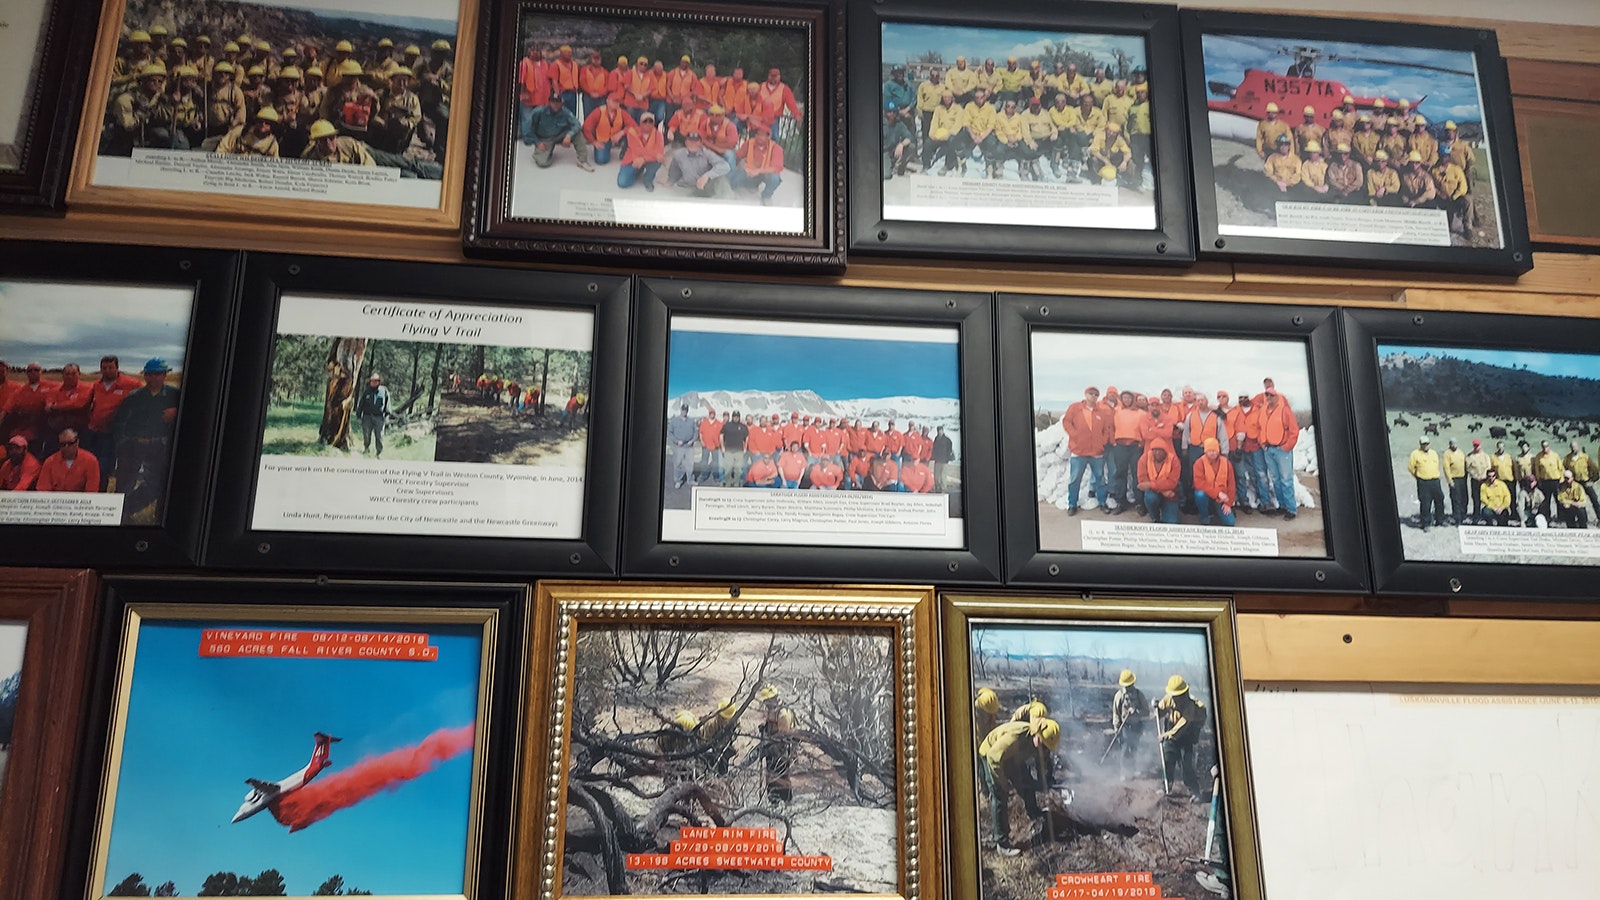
[
  {"x": 1477, "y": 438},
  {"x": 391, "y": 708},
  {"x": 1117, "y": 726},
  {"x": 725, "y": 740},
  {"x": 677, "y": 133},
  {"x": 46, "y": 637},
  {"x": 782, "y": 430},
  {"x": 109, "y": 385},
  {"x": 348, "y": 120},
  {"x": 1430, "y": 179},
  {"x": 1019, "y": 132},
  {"x": 41, "y": 85},
  {"x": 1161, "y": 443},
  {"x": 396, "y": 416}
]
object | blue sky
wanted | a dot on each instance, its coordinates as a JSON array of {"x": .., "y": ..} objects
[
  {"x": 835, "y": 368},
  {"x": 903, "y": 41},
  {"x": 1448, "y": 96},
  {"x": 198, "y": 727},
  {"x": 1575, "y": 365},
  {"x": 55, "y": 323},
  {"x": 1156, "y": 644}
]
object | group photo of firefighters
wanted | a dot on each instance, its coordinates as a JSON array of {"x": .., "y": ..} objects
[
  {"x": 1350, "y": 124},
  {"x": 1028, "y": 106},
  {"x": 698, "y": 111},
  {"x": 1095, "y": 750},
  {"x": 1491, "y": 438},
  {"x": 242, "y": 79}
]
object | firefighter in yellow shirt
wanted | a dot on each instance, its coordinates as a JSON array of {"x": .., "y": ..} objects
[
  {"x": 1338, "y": 132},
  {"x": 1494, "y": 501},
  {"x": 1042, "y": 132},
  {"x": 1314, "y": 173},
  {"x": 1454, "y": 463},
  {"x": 977, "y": 132},
  {"x": 328, "y": 145},
  {"x": 1004, "y": 756},
  {"x": 929, "y": 93},
  {"x": 1012, "y": 133},
  {"x": 1108, "y": 149},
  {"x": 1416, "y": 184},
  {"x": 1570, "y": 501},
  {"x": 1116, "y": 105},
  {"x": 1064, "y": 117},
  {"x": 1101, "y": 87},
  {"x": 963, "y": 81},
  {"x": 1081, "y": 134},
  {"x": 1010, "y": 81},
  {"x": 1308, "y": 130},
  {"x": 1452, "y": 189},
  {"x": 1268, "y": 131},
  {"x": 1383, "y": 183},
  {"x": 1068, "y": 81},
  {"x": 1422, "y": 143},
  {"x": 1283, "y": 166},
  {"x": 1583, "y": 472},
  {"x": 989, "y": 77},
  {"x": 1365, "y": 143},
  {"x": 1424, "y": 467},
  {"x": 1461, "y": 153},
  {"x": 1139, "y": 131},
  {"x": 258, "y": 139},
  {"x": 948, "y": 119},
  {"x": 1393, "y": 141}
]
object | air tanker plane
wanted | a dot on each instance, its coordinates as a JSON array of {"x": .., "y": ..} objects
[{"x": 266, "y": 794}]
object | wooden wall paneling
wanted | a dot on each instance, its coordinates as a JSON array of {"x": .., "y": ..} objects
[{"x": 1577, "y": 82}]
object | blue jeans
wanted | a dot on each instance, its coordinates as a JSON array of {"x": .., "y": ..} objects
[
  {"x": 569, "y": 99},
  {"x": 1207, "y": 505},
  {"x": 602, "y": 154},
  {"x": 791, "y": 485},
  {"x": 710, "y": 463},
  {"x": 627, "y": 174},
  {"x": 1256, "y": 461},
  {"x": 592, "y": 102},
  {"x": 525, "y": 124},
  {"x": 1160, "y": 508},
  {"x": 1280, "y": 467},
  {"x": 659, "y": 107},
  {"x": 1097, "y": 478},
  {"x": 768, "y": 182}
]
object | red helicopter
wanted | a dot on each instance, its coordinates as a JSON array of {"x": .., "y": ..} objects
[{"x": 1294, "y": 90}]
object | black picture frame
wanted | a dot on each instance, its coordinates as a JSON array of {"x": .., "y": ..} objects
[
  {"x": 234, "y": 542},
  {"x": 491, "y": 230},
  {"x": 644, "y": 550},
  {"x": 1392, "y": 572},
  {"x": 502, "y": 608},
  {"x": 48, "y": 121},
  {"x": 212, "y": 275},
  {"x": 1345, "y": 566},
  {"x": 1512, "y": 258},
  {"x": 1170, "y": 242}
]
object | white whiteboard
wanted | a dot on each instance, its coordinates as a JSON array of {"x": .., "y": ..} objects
[{"x": 1395, "y": 792}]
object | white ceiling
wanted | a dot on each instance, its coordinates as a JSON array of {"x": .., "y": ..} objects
[{"x": 1565, "y": 12}]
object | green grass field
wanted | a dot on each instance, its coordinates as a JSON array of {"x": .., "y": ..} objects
[{"x": 293, "y": 425}]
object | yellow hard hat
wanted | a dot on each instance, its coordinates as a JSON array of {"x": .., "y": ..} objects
[
  {"x": 413, "y": 50},
  {"x": 1048, "y": 731},
  {"x": 622, "y": 60},
  {"x": 1176, "y": 686},
  {"x": 1404, "y": 102},
  {"x": 139, "y": 37},
  {"x": 263, "y": 46},
  {"x": 684, "y": 58},
  {"x": 343, "y": 47},
  {"x": 988, "y": 701},
  {"x": 1378, "y": 103},
  {"x": 1272, "y": 107},
  {"x": 566, "y": 48},
  {"x": 158, "y": 31},
  {"x": 267, "y": 113},
  {"x": 349, "y": 67},
  {"x": 767, "y": 692},
  {"x": 1127, "y": 678},
  {"x": 1037, "y": 710},
  {"x": 322, "y": 128},
  {"x": 256, "y": 70},
  {"x": 941, "y": 134},
  {"x": 1343, "y": 148},
  {"x": 314, "y": 72},
  {"x": 1449, "y": 125},
  {"x": 290, "y": 53},
  {"x": 290, "y": 72},
  {"x": 1311, "y": 110},
  {"x": 1349, "y": 99},
  {"x": 1414, "y": 156},
  {"x": 1011, "y": 59},
  {"x": 1108, "y": 172},
  {"x": 180, "y": 42},
  {"x": 1313, "y": 147},
  {"x": 156, "y": 69},
  {"x": 230, "y": 47},
  {"x": 727, "y": 708},
  {"x": 385, "y": 43},
  {"x": 401, "y": 70},
  {"x": 686, "y": 720},
  {"x": 186, "y": 70},
  {"x": 1365, "y": 117},
  {"x": 1338, "y": 114},
  {"x": 716, "y": 110},
  {"x": 1419, "y": 120},
  {"x": 441, "y": 44},
  {"x": 639, "y": 60},
  {"x": 223, "y": 66},
  {"x": 203, "y": 39}
]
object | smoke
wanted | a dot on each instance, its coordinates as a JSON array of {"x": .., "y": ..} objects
[{"x": 330, "y": 793}]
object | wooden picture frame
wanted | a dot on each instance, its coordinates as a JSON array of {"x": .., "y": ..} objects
[
  {"x": 382, "y": 165},
  {"x": 1403, "y": 371},
  {"x": 42, "y": 102},
  {"x": 1154, "y": 224},
  {"x": 432, "y": 745},
  {"x": 790, "y": 772},
  {"x": 867, "y": 356},
  {"x": 1298, "y": 505},
  {"x": 520, "y": 207},
  {"x": 1444, "y": 224},
  {"x": 1198, "y": 635},
  {"x": 176, "y": 302},
  {"x": 43, "y": 726},
  {"x": 540, "y": 480}
]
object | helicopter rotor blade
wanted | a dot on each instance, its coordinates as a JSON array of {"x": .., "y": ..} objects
[
  {"x": 1222, "y": 88},
  {"x": 1333, "y": 57},
  {"x": 1269, "y": 46}
]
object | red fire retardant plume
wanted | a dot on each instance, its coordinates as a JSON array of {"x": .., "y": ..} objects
[{"x": 338, "y": 790}]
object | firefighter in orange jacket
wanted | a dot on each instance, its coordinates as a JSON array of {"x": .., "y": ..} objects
[
  {"x": 792, "y": 465},
  {"x": 826, "y": 474},
  {"x": 1214, "y": 488},
  {"x": 1158, "y": 479},
  {"x": 607, "y": 128},
  {"x": 1089, "y": 428},
  {"x": 1279, "y": 434},
  {"x": 597, "y": 83},
  {"x": 70, "y": 469},
  {"x": 916, "y": 477},
  {"x": 763, "y": 473},
  {"x": 20, "y": 469},
  {"x": 1128, "y": 429},
  {"x": 710, "y": 429}
]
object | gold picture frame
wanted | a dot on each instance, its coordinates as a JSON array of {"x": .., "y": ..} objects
[
  {"x": 395, "y": 683},
  {"x": 290, "y": 206},
  {"x": 797, "y": 772},
  {"x": 1006, "y": 657}
]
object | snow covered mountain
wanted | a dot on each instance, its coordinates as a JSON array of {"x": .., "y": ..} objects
[{"x": 930, "y": 411}]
